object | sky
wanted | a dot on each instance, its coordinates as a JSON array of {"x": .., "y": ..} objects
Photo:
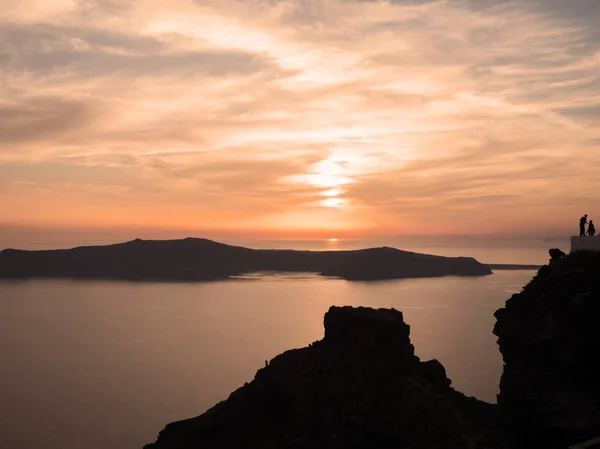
[{"x": 298, "y": 118}]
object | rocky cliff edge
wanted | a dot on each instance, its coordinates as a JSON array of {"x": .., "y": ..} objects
[{"x": 549, "y": 337}]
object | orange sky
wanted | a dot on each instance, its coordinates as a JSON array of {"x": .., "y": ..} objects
[{"x": 304, "y": 118}]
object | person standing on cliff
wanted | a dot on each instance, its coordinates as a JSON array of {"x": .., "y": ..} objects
[
  {"x": 591, "y": 229},
  {"x": 582, "y": 223}
]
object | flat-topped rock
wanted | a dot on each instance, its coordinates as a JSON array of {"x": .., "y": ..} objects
[
  {"x": 369, "y": 331},
  {"x": 361, "y": 386}
]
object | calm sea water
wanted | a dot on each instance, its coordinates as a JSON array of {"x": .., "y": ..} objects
[{"x": 90, "y": 365}]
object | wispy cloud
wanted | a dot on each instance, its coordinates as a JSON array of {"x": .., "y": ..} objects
[{"x": 412, "y": 116}]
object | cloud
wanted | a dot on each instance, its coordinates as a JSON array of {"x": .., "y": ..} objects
[
  {"x": 429, "y": 111},
  {"x": 42, "y": 118},
  {"x": 81, "y": 53},
  {"x": 586, "y": 11}
]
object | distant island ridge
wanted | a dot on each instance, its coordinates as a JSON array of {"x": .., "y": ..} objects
[{"x": 197, "y": 259}]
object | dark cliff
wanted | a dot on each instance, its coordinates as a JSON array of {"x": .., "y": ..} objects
[
  {"x": 361, "y": 386},
  {"x": 549, "y": 337},
  {"x": 200, "y": 259}
]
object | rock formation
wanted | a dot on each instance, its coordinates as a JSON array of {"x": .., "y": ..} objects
[
  {"x": 363, "y": 387},
  {"x": 360, "y": 387},
  {"x": 549, "y": 337},
  {"x": 556, "y": 253}
]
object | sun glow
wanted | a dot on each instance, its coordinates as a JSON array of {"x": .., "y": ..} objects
[
  {"x": 329, "y": 176},
  {"x": 333, "y": 202},
  {"x": 332, "y": 192},
  {"x": 333, "y": 240}
]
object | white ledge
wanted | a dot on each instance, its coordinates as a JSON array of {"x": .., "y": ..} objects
[{"x": 585, "y": 243}]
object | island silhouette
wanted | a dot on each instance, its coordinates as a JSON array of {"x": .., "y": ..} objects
[{"x": 195, "y": 259}]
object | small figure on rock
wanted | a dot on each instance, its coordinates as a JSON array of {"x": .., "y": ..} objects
[
  {"x": 591, "y": 229},
  {"x": 582, "y": 223}
]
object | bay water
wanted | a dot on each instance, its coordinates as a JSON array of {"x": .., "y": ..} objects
[{"x": 99, "y": 364}]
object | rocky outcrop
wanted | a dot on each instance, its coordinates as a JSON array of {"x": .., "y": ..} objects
[
  {"x": 201, "y": 260},
  {"x": 555, "y": 254},
  {"x": 549, "y": 337},
  {"x": 360, "y": 387}
]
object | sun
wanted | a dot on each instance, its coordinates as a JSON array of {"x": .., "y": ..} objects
[
  {"x": 333, "y": 202},
  {"x": 332, "y": 240}
]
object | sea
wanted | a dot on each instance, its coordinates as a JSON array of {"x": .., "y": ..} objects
[{"x": 106, "y": 364}]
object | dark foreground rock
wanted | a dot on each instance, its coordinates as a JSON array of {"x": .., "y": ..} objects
[
  {"x": 363, "y": 387},
  {"x": 360, "y": 387},
  {"x": 203, "y": 260},
  {"x": 549, "y": 336}
]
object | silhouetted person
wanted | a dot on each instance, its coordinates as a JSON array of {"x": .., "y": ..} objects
[
  {"x": 591, "y": 229},
  {"x": 582, "y": 223}
]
